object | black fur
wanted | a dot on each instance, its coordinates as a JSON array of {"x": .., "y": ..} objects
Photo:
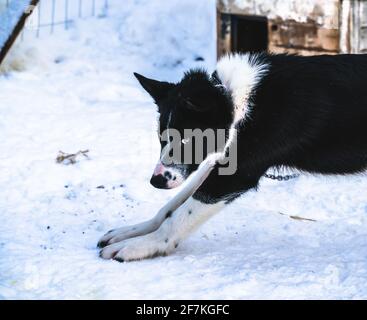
[{"x": 308, "y": 113}]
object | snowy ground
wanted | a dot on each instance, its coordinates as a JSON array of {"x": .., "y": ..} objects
[{"x": 77, "y": 92}]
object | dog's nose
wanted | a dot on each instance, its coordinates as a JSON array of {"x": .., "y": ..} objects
[{"x": 159, "y": 181}]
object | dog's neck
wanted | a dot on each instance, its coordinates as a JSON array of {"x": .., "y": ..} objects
[{"x": 240, "y": 74}]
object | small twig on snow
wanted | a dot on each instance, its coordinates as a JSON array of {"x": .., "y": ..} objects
[
  {"x": 297, "y": 217},
  {"x": 70, "y": 158}
]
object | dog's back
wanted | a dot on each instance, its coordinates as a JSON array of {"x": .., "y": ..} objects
[{"x": 311, "y": 112}]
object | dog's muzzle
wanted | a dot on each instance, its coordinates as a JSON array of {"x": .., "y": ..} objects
[{"x": 165, "y": 178}]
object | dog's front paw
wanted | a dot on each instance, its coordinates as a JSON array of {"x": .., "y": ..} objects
[
  {"x": 143, "y": 247},
  {"x": 117, "y": 235}
]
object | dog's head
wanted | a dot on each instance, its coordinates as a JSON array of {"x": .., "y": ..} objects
[{"x": 198, "y": 101}]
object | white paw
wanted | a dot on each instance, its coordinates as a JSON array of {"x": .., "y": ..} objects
[
  {"x": 117, "y": 235},
  {"x": 143, "y": 247}
]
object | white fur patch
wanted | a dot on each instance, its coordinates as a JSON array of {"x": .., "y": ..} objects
[{"x": 240, "y": 74}]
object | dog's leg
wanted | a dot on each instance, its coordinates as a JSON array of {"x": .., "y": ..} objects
[
  {"x": 175, "y": 228},
  {"x": 179, "y": 224},
  {"x": 140, "y": 229}
]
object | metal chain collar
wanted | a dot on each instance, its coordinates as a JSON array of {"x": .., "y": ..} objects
[{"x": 281, "y": 178}]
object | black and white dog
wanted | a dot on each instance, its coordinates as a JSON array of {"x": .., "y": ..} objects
[{"x": 306, "y": 113}]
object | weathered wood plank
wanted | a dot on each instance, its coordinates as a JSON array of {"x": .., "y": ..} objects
[
  {"x": 322, "y": 12},
  {"x": 223, "y": 34},
  {"x": 303, "y": 36},
  {"x": 363, "y": 40},
  {"x": 363, "y": 12}
]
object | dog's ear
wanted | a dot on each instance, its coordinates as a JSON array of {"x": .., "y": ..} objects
[{"x": 157, "y": 89}]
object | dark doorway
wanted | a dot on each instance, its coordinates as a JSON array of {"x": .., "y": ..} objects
[{"x": 249, "y": 33}]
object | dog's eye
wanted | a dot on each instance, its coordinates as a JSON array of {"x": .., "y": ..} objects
[{"x": 185, "y": 141}]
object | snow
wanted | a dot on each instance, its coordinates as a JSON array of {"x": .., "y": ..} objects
[{"x": 77, "y": 92}]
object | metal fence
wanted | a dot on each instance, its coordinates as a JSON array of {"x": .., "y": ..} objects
[{"x": 49, "y": 15}]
